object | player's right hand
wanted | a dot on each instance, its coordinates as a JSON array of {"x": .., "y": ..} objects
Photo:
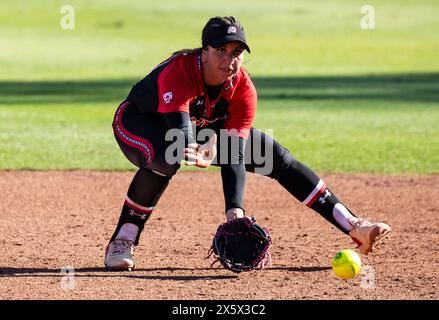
[{"x": 201, "y": 155}]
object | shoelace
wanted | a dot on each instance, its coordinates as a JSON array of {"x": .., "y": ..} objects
[
  {"x": 361, "y": 222},
  {"x": 120, "y": 247},
  {"x": 355, "y": 225}
]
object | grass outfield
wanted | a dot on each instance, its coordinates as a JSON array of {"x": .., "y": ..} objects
[{"x": 342, "y": 99}]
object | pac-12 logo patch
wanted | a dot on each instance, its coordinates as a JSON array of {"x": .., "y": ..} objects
[{"x": 167, "y": 97}]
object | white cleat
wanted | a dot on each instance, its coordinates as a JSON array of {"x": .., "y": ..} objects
[{"x": 119, "y": 256}]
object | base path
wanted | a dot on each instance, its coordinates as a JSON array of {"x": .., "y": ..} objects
[{"x": 55, "y": 220}]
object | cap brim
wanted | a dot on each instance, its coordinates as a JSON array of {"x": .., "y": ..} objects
[{"x": 227, "y": 39}]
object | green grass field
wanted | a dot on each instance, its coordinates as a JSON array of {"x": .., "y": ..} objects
[{"x": 342, "y": 99}]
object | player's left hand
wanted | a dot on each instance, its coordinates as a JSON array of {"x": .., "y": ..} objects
[{"x": 201, "y": 155}]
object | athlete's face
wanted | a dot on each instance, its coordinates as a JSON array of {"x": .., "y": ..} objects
[{"x": 221, "y": 63}]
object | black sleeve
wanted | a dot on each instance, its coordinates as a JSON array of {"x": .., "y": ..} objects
[
  {"x": 233, "y": 174},
  {"x": 181, "y": 121}
]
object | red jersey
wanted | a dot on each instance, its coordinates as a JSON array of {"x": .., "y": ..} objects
[{"x": 177, "y": 85}]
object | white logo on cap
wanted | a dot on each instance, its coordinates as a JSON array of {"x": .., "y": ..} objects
[
  {"x": 231, "y": 29},
  {"x": 167, "y": 97}
]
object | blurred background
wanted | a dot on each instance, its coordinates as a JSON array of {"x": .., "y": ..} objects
[{"x": 342, "y": 98}]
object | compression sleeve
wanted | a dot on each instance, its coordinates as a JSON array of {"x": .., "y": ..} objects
[
  {"x": 182, "y": 122},
  {"x": 233, "y": 176}
]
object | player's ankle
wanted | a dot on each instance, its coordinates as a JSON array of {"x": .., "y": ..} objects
[{"x": 128, "y": 231}]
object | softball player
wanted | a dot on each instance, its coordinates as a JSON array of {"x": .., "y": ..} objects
[{"x": 195, "y": 90}]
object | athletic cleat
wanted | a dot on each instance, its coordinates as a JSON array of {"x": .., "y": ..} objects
[
  {"x": 368, "y": 235},
  {"x": 119, "y": 256}
]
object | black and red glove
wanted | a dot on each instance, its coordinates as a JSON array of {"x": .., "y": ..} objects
[{"x": 241, "y": 245}]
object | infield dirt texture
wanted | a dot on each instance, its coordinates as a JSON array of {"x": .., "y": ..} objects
[
  {"x": 49, "y": 224},
  {"x": 358, "y": 106}
]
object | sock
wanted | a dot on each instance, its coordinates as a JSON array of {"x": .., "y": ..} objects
[
  {"x": 128, "y": 231},
  {"x": 308, "y": 188},
  {"x": 323, "y": 201},
  {"x": 343, "y": 216},
  {"x": 143, "y": 194},
  {"x": 135, "y": 214}
]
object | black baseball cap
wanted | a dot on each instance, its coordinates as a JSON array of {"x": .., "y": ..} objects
[{"x": 221, "y": 30}]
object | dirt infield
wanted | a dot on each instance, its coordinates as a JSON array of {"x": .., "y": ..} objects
[{"x": 53, "y": 219}]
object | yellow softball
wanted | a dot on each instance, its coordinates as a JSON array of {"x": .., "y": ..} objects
[{"x": 346, "y": 264}]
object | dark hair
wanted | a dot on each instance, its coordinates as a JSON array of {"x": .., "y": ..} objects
[{"x": 186, "y": 51}]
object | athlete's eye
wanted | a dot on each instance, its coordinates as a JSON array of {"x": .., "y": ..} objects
[{"x": 238, "y": 51}]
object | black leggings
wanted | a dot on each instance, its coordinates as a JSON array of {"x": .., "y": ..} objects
[{"x": 142, "y": 139}]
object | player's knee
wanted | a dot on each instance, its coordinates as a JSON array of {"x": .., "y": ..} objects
[
  {"x": 163, "y": 169},
  {"x": 282, "y": 159}
]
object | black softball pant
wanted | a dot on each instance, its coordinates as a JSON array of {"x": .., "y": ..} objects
[{"x": 142, "y": 140}]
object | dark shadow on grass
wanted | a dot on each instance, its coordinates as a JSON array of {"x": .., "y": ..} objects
[
  {"x": 420, "y": 87},
  {"x": 47, "y": 92},
  {"x": 416, "y": 87}
]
